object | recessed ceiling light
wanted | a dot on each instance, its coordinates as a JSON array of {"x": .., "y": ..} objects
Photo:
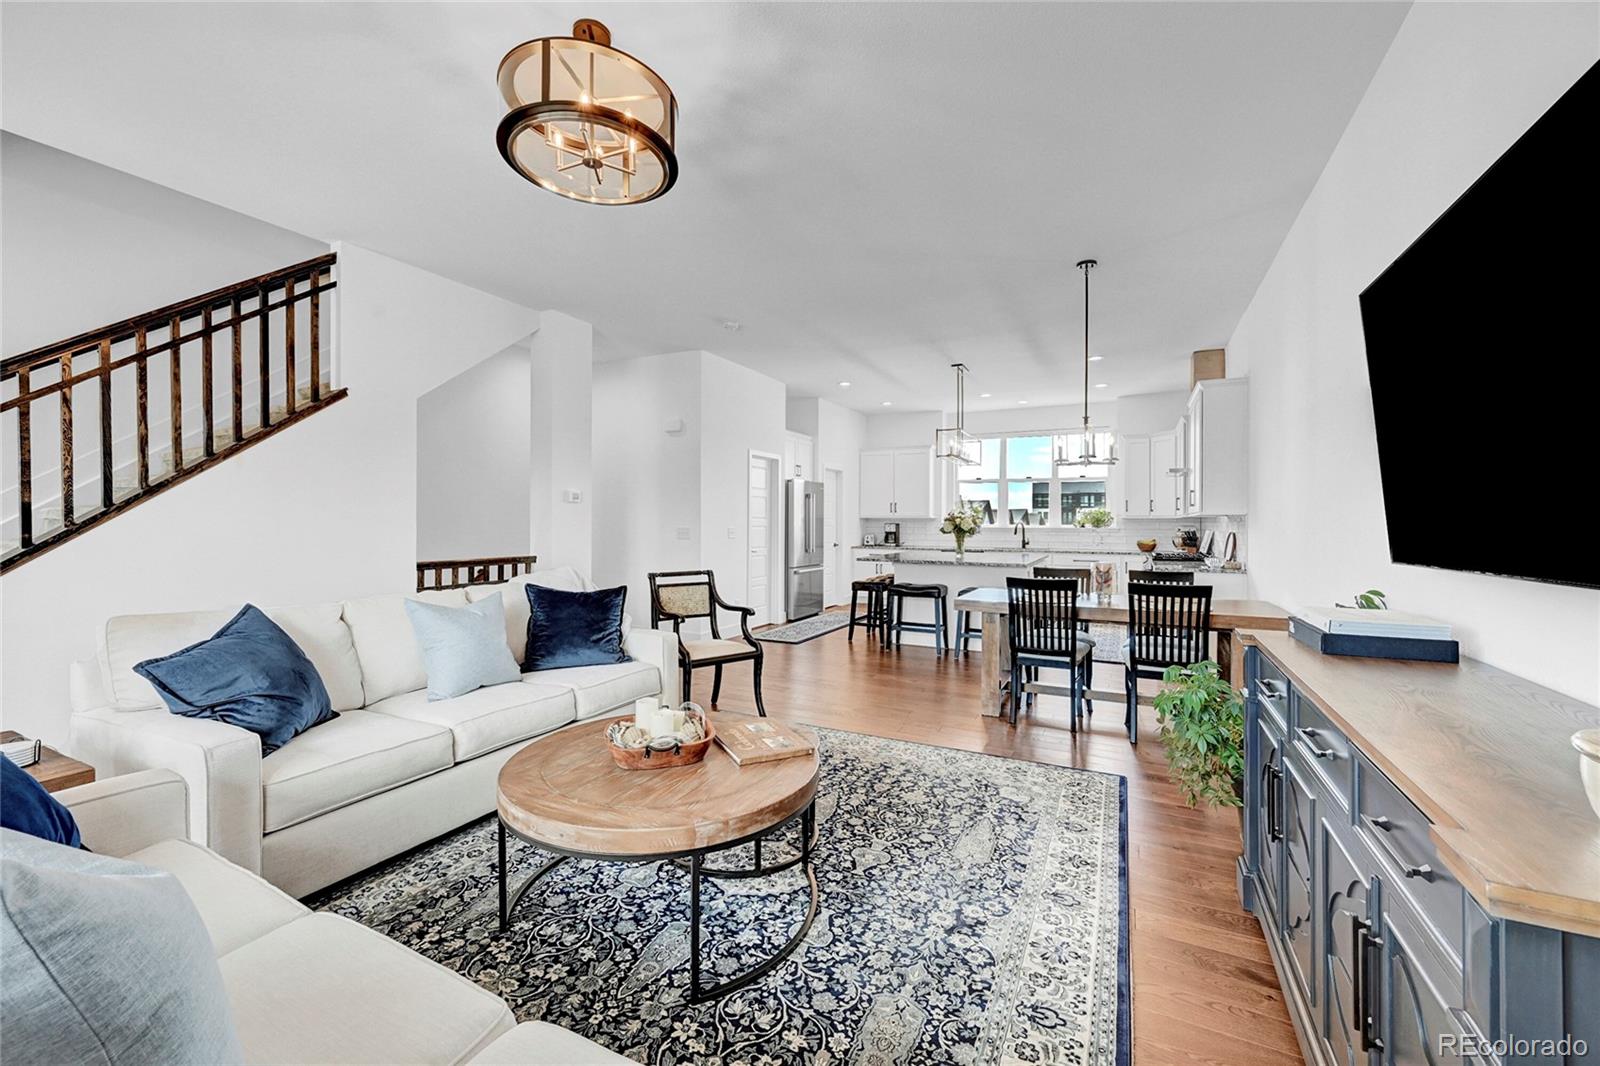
[
  {"x": 844, "y": 384},
  {"x": 1096, "y": 358},
  {"x": 1099, "y": 384},
  {"x": 888, "y": 403},
  {"x": 1022, "y": 401},
  {"x": 985, "y": 395}
]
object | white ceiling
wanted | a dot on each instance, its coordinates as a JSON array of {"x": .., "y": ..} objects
[{"x": 870, "y": 190}]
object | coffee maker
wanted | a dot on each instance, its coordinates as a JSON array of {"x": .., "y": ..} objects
[{"x": 891, "y": 533}]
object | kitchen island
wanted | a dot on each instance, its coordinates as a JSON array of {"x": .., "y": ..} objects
[{"x": 941, "y": 566}]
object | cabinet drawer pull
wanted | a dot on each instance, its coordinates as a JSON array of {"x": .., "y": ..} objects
[
  {"x": 1310, "y": 736},
  {"x": 1270, "y": 690},
  {"x": 1381, "y": 827}
]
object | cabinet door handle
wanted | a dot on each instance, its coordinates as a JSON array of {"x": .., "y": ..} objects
[
  {"x": 1381, "y": 827},
  {"x": 1310, "y": 736},
  {"x": 1366, "y": 1019},
  {"x": 1269, "y": 689},
  {"x": 1358, "y": 993},
  {"x": 1152, "y": 506}
]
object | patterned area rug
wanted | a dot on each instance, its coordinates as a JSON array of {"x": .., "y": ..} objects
[
  {"x": 805, "y": 629},
  {"x": 974, "y": 911}
]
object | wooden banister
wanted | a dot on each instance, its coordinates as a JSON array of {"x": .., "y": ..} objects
[
  {"x": 173, "y": 332},
  {"x": 490, "y": 570}
]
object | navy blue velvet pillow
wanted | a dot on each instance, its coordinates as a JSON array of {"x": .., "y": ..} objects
[
  {"x": 26, "y": 807},
  {"x": 251, "y": 674},
  {"x": 574, "y": 628}
]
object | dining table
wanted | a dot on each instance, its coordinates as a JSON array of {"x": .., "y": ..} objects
[{"x": 1227, "y": 618}]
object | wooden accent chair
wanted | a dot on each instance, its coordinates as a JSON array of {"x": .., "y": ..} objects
[
  {"x": 1085, "y": 579},
  {"x": 682, "y": 595},
  {"x": 1169, "y": 624},
  {"x": 1042, "y": 619}
]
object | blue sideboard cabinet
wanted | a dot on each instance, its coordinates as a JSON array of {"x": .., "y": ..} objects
[{"x": 1385, "y": 958}]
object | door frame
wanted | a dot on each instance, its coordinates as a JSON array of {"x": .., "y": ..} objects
[
  {"x": 777, "y": 501},
  {"x": 841, "y": 561}
]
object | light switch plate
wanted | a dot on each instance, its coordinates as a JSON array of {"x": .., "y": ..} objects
[{"x": 573, "y": 496}]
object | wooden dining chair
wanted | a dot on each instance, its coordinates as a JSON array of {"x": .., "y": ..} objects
[
  {"x": 1169, "y": 624},
  {"x": 679, "y": 596},
  {"x": 1085, "y": 579},
  {"x": 1042, "y": 622},
  {"x": 1161, "y": 577}
]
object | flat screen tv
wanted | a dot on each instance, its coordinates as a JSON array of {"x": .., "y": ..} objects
[{"x": 1483, "y": 351}]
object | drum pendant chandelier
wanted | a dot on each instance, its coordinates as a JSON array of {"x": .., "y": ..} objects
[{"x": 586, "y": 121}]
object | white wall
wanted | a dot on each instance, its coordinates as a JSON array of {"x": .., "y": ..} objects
[
  {"x": 1150, "y": 412},
  {"x": 668, "y": 501},
  {"x": 1459, "y": 85},
  {"x": 561, "y": 466},
  {"x": 646, "y": 480},
  {"x": 324, "y": 511},
  {"x": 472, "y": 461},
  {"x": 86, "y": 245},
  {"x": 741, "y": 411}
]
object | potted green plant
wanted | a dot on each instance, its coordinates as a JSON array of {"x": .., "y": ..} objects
[
  {"x": 962, "y": 523},
  {"x": 1094, "y": 518},
  {"x": 1201, "y": 720}
]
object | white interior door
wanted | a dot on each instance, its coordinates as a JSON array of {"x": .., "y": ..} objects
[
  {"x": 832, "y": 562},
  {"x": 762, "y": 499}
]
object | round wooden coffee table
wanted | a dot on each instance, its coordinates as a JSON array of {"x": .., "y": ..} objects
[{"x": 563, "y": 794}]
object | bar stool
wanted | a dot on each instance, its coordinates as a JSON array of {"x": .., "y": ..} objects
[
  {"x": 964, "y": 627},
  {"x": 939, "y": 627},
  {"x": 877, "y": 590}
]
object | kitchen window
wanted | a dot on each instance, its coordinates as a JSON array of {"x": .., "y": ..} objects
[{"x": 1018, "y": 481}]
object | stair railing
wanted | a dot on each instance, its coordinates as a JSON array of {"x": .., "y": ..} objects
[
  {"x": 265, "y": 336},
  {"x": 491, "y": 570}
]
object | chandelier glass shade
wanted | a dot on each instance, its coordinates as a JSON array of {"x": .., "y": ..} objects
[
  {"x": 1072, "y": 449},
  {"x": 586, "y": 121},
  {"x": 954, "y": 442}
]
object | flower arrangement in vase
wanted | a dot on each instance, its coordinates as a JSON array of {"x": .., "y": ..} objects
[{"x": 962, "y": 523}]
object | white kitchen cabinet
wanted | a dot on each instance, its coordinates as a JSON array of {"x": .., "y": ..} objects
[
  {"x": 861, "y": 569},
  {"x": 913, "y": 483},
  {"x": 797, "y": 452},
  {"x": 1132, "y": 477},
  {"x": 897, "y": 483},
  {"x": 1166, "y": 492},
  {"x": 1217, "y": 481}
]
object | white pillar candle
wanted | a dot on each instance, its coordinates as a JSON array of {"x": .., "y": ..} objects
[{"x": 645, "y": 711}]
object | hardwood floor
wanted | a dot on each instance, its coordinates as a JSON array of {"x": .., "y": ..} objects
[{"x": 1204, "y": 987}]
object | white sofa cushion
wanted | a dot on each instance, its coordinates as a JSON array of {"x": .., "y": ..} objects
[
  {"x": 598, "y": 689},
  {"x": 543, "y": 1044},
  {"x": 356, "y": 755},
  {"x": 325, "y": 989},
  {"x": 486, "y": 718},
  {"x": 318, "y": 628},
  {"x": 236, "y": 905},
  {"x": 391, "y": 662},
  {"x": 514, "y": 597}
]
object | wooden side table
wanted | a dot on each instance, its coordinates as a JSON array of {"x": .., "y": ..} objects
[{"x": 54, "y": 770}]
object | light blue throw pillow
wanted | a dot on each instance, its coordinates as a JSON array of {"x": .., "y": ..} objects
[
  {"x": 463, "y": 648},
  {"x": 104, "y": 960}
]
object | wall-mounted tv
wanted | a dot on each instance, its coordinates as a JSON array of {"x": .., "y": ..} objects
[{"x": 1483, "y": 350}]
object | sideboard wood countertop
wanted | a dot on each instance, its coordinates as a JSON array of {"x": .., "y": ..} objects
[{"x": 1487, "y": 756}]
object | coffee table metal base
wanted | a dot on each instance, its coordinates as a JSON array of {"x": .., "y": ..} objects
[{"x": 693, "y": 861}]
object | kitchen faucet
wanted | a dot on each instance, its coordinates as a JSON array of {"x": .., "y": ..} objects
[{"x": 1022, "y": 527}]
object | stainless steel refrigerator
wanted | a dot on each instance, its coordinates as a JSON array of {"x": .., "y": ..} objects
[{"x": 802, "y": 548}]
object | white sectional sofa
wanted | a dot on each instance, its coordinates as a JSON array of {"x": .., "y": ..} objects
[
  {"x": 306, "y": 987},
  {"x": 392, "y": 771}
]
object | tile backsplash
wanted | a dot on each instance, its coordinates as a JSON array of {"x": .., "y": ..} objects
[{"x": 924, "y": 533}]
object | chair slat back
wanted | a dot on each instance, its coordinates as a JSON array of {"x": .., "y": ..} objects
[
  {"x": 1169, "y": 624},
  {"x": 1079, "y": 574},
  {"x": 1161, "y": 577},
  {"x": 1042, "y": 616}
]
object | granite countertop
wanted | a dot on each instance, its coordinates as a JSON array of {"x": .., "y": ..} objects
[{"x": 1016, "y": 560}]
